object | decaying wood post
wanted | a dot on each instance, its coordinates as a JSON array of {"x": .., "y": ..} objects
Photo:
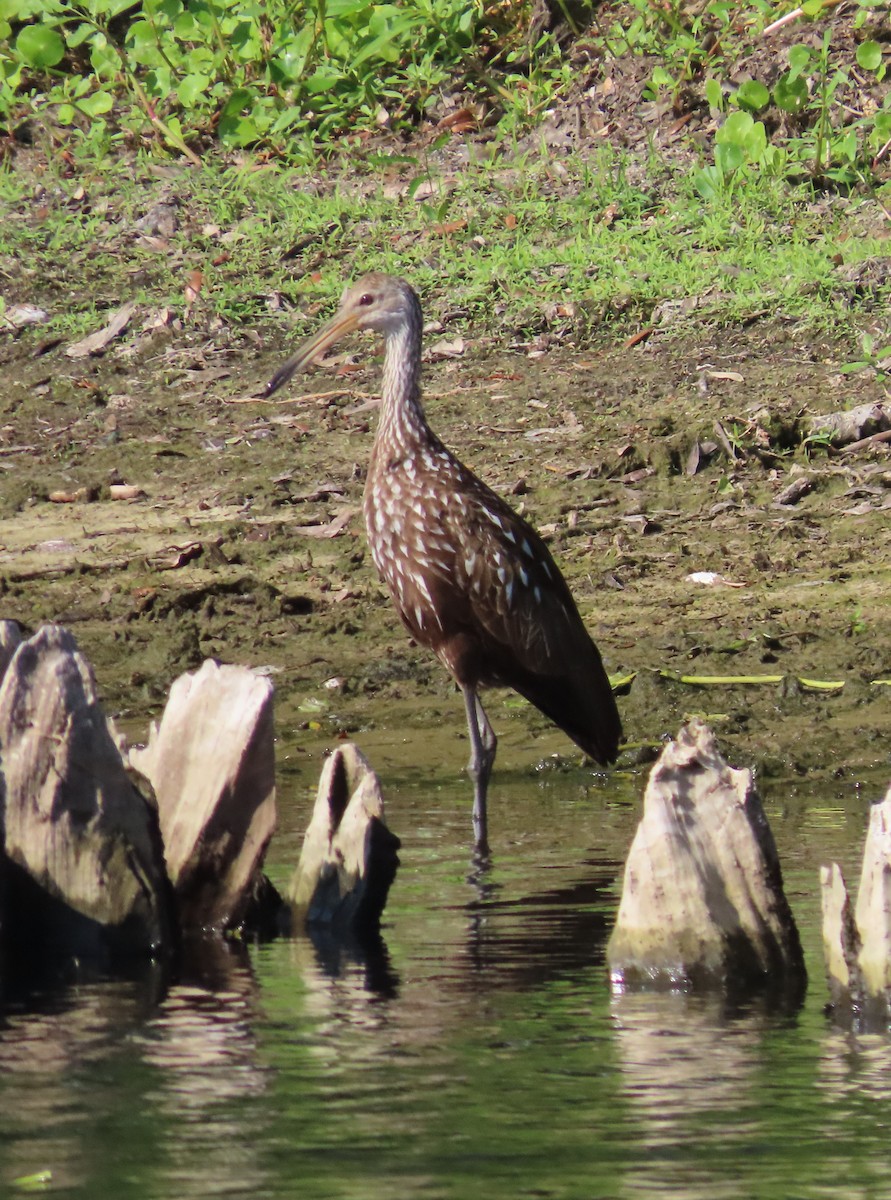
[
  {"x": 349, "y": 858},
  {"x": 211, "y": 763},
  {"x": 85, "y": 869},
  {"x": 10, "y": 640},
  {"x": 88, "y": 866},
  {"x": 841, "y": 939},
  {"x": 857, "y": 947},
  {"x": 702, "y": 900}
]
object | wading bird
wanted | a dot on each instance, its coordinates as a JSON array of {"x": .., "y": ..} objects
[{"x": 469, "y": 577}]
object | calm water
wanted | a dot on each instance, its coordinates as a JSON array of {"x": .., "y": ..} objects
[{"x": 475, "y": 1052}]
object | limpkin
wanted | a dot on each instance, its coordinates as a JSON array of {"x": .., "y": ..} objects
[{"x": 469, "y": 577}]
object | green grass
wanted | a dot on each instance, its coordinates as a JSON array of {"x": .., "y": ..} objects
[{"x": 502, "y": 243}]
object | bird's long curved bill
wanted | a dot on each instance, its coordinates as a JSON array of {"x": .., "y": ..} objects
[{"x": 325, "y": 337}]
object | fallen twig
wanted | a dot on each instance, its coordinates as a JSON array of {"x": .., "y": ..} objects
[
  {"x": 332, "y": 395},
  {"x": 793, "y": 16},
  {"x": 73, "y": 567},
  {"x": 795, "y": 491},
  {"x": 883, "y": 436},
  {"x": 333, "y": 528},
  {"x": 781, "y": 21},
  {"x": 734, "y": 453}
]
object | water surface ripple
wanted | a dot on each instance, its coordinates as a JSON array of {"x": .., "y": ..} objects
[{"x": 473, "y": 1050}]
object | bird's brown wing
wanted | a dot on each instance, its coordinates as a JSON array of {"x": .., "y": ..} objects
[
  {"x": 517, "y": 595},
  {"x": 531, "y": 637}
]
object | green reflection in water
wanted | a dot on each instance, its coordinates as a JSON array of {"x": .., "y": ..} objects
[{"x": 478, "y": 1052}]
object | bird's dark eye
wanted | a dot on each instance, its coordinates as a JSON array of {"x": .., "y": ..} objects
[{"x": 365, "y": 299}]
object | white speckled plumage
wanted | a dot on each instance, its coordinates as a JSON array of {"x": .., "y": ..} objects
[{"x": 469, "y": 577}]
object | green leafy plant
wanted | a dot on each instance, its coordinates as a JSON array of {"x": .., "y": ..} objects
[
  {"x": 530, "y": 83},
  {"x": 246, "y": 71},
  {"x": 752, "y": 96},
  {"x": 858, "y": 625},
  {"x": 831, "y": 149},
  {"x": 828, "y": 140},
  {"x": 818, "y": 442},
  {"x": 834, "y": 149},
  {"x": 740, "y": 144},
  {"x": 823, "y": 144},
  {"x": 875, "y": 358}
]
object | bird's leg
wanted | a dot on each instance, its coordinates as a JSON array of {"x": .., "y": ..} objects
[{"x": 483, "y": 745}]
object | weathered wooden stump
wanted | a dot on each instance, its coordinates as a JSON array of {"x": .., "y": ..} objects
[
  {"x": 10, "y": 640},
  {"x": 3, "y": 867},
  {"x": 349, "y": 856},
  {"x": 85, "y": 869},
  {"x": 211, "y": 763},
  {"x": 702, "y": 901},
  {"x": 841, "y": 940},
  {"x": 857, "y": 946}
]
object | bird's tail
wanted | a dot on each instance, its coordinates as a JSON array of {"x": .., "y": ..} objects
[{"x": 584, "y": 707}]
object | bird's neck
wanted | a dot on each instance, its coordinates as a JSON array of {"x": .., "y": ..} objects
[{"x": 403, "y": 425}]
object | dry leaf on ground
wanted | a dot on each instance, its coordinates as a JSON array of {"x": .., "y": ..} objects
[{"x": 95, "y": 343}]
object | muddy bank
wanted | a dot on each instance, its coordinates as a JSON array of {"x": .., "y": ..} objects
[{"x": 246, "y": 542}]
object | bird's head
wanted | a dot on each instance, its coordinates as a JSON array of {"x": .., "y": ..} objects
[{"x": 378, "y": 302}]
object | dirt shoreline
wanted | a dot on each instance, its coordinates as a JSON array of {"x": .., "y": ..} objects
[{"x": 247, "y": 542}]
